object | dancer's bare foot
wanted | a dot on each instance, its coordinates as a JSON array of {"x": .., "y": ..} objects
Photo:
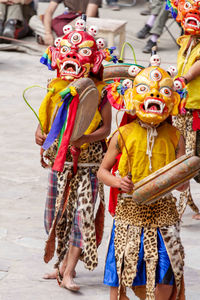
[
  {"x": 69, "y": 284},
  {"x": 196, "y": 216},
  {"x": 53, "y": 275}
]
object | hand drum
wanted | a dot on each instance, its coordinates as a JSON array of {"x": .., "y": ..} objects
[{"x": 166, "y": 179}]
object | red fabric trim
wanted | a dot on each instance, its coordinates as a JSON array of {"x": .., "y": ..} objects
[
  {"x": 196, "y": 120},
  {"x": 61, "y": 155},
  {"x": 114, "y": 191},
  {"x": 75, "y": 152},
  {"x": 60, "y": 21},
  {"x": 99, "y": 223},
  {"x": 126, "y": 119}
]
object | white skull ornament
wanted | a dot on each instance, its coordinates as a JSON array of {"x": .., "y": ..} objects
[
  {"x": 133, "y": 71},
  {"x": 172, "y": 70},
  {"x": 127, "y": 83},
  {"x": 57, "y": 42},
  {"x": 80, "y": 25},
  {"x": 100, "y": 43},
  {"x": 155, "y": 60},
  {"x": 93, "y": 30},
  {"x": 67, "y": 29},
  {"x": 178, "y": 86}
]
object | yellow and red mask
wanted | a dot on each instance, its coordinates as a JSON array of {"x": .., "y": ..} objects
[
  {"x": 188, "y": 14},
  {"x": 152, "y": 97},
  {"x": 75, "y": 56}
]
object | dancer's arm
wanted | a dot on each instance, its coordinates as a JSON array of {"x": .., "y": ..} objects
[
  {"x": 92, "y": 10},
  {"x": 48, "y": 38},
  {"x": 192, "y": 73},
  {"x": 104, "y": 175},
  {"x": 39, "y": 137}
]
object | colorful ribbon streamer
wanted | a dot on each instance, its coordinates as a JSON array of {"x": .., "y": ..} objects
[
  {"x": 58, "y": 122},
  {"x": 61, "y": 155}
]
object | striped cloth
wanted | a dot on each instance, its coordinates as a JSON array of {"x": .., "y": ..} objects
[
  {"x": 76, "y": 236},
  {"x": 50, "y": 200}
]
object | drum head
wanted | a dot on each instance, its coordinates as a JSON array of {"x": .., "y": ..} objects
[{"x": 89, "y": 99}]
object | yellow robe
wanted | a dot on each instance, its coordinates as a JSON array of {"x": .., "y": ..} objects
[
  {"x": 193, "y": 100},
  {"x": 135, "y": 138}
]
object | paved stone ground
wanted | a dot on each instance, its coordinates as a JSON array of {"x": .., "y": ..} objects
[{"x": 23, "y": 182}]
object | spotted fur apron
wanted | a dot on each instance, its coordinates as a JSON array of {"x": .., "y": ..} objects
[
  {"x": 184, "y": 124},
  {"x": 129, "y": 220}
]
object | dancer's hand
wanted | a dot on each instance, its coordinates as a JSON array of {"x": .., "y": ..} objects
[
  {"x": 78, "y": 143},
  {"x": 48, "y": 39},
  {"x": 183, "y": 187},
  {"x": 126, "y": 184},
  {"x": 39, "y": 137}
]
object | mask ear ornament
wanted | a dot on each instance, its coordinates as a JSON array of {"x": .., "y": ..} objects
[
  {"x": 100, "y": 43},
  {"x": 127, "y": 83},
  {"x": 172, "y": 70},
  {"x": 134, "y": 70}
]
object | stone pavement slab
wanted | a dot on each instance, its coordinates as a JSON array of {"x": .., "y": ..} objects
[{"x": 23, "y": 182}]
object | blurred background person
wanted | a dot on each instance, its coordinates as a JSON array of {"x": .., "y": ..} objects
[
  {"x": 113, "y": 4},
  {"x": 154, "y": 25},
  {"x": 14, "y": 17},
  {"x": 147, "y": 10},
  {"x": 43, "y": 27}
]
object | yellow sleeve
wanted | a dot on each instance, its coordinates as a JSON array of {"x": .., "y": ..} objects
[{"x": 51, "y": 102}]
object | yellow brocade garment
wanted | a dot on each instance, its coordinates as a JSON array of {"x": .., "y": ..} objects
[
  {"x": 52, "y": 101},
  {"x": 135, "y": 138},
  {"x": 193, "y": 86}
]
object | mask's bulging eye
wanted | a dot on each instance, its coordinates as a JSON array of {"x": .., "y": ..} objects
[
  {"x": 76, "y": 38},
  {"x": 64, "y": 49},
  {"x": 166, "y": 91},
  {"x": 85, "y": 51},
  {"x": 187, "y": 5},
  {"x": 142, "y": 88}
]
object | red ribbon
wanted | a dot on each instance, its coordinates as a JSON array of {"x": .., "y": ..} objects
[
  {"x": 196, "y": 120},
  {"x": 126, "y": 119},
  {"x": 114, "y": 191},
  {"x": 61, "y": 155}
]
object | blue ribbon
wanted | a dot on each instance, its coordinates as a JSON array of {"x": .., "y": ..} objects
[{"x": 58, "y": 122}]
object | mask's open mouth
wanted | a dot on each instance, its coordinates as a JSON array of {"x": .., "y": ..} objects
[
  {"x": 153, "y": 105},
  {"x": 192, "y": 22},
  {"x": 72, "y": 68}
]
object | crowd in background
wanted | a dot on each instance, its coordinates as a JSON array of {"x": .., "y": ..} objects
[{"x": 18, "y": 18}]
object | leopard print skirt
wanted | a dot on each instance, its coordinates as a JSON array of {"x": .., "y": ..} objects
[
  {"x": 130, "y": 220},
  {"x": 184, "y": 124},
  {"x": 79, "y": 194}
]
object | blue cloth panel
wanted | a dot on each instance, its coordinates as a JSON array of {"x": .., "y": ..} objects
[{"x": 164, "y": 273}]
